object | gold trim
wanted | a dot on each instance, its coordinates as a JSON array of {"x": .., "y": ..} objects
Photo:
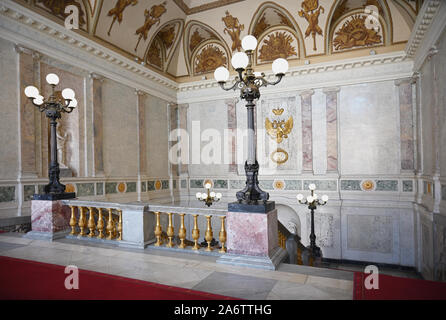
[{"x": 279, "y": 162}]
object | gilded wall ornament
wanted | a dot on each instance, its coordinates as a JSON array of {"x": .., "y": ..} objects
[
  {"x": 278, "y": 112},
  {"x": 154, "y": 56},
  {"x": 167, "y": 35},
  {"x": 279, "y": 185},
  {"x": 311, "y": 12},
  {"x": 209, "y": 59},
  {"x": 152, "y": 18},
  {"x": 57, "y": 8},
  {"x": 278, "y": 45},
  {"x": 279, "y": 129},
  {"x": 279, "y": 156},
  {"x": 233, "y": 28},
  {"x": 121, "y": 187},
  {"x": 284, "y": 20},
  {"x": 118, "y": 10},
  {"x": 354, "y": 33},
  {"x": 368, "y": 185},
  {"x": 195, "y": 40},
  {"x": 260, "y": 26}
]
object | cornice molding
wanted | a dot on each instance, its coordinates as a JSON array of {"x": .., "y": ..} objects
[
  {"x": 428, "y": 28},
  {"x": 18, "y": 22}
]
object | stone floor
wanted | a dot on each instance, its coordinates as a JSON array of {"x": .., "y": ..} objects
[{"x": 192, "y": 271}]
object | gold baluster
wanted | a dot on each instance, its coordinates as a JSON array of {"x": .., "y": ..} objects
[
  {"x": 182, "y": 232},
  {"x": 209, "y": 234},
  {"x": 170, "y": 232},
  {"x": 91, "y": 223},
  {"x": 299, "y": 256},
  {"x": 158, "y": 230},
  {"x": 82, "y": 222},
  {"x": 100, "y": 225},
  {"x": 110, "y": 225},
  {"x": 196, "y": 233},
  {"x": 120, "y": 226},
  {"x": 73, "y": 221},
  {"x": 222, "y": 235}
]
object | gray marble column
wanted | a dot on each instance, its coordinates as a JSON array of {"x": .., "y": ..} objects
[
  {"x": 307, "y": 128},
  {"x": 406, "y": 123},
  {"x": 332, "y": 128},
  {"x": 232, "y": 132},
  {"x": 27, "y": 114},
  {"x": 98, "y": 136}
]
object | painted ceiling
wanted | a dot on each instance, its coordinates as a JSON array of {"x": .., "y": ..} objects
[{"x": 186, "y": 39}]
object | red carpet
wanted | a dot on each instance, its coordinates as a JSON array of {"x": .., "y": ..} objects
[
  {"x": 30, "y": 280},
  {"x": 396, "y": 288}
]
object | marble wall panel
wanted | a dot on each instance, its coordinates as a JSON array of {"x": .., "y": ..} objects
[
  {"x": 85, "y": 189},
  {"x": 319, "y": 132},
  {"x": 307, "y": 130},
  {"x": 370, "y": 233},
  {"x": 408, "y": 186},
  {"x": 332, "y": 128},
  {"x": 406, "y": 124},
  {"x": 9, "y": 114},
  {"x": 98, "y": 131},
  {"x": 369, "y": 138},
  {"x": 324, "y": 228},
  {"x": 7, "y": 194},
  {"x": 120, "y": 130}
]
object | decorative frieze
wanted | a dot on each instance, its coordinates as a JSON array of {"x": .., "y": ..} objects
[
  {"x": 323, "y": 185},
  {"x": 351, "y": 185},
  {"x": 85, "y": 189},
  {"x": 7, "y": 194},
  {"x": 408, "y": 186},
  {"x": 99, "y": 188}
]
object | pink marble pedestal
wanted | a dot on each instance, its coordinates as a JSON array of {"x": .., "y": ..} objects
[
  {"x": 252, "y": 240},
  {"x": 50, "y": 220}
]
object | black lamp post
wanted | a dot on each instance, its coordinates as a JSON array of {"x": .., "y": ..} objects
[
  {"x": 249, "y": 83},
  {"x": 59, "y": 102},
  {"x": 313, "y": 202}
]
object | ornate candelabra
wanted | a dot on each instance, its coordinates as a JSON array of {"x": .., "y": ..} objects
[
  {"x": 208, "y": 198},
  {"x": 249, "y": 83},
  {"x": 313, "y": 202},
  {"x": 58, "y": 102}
]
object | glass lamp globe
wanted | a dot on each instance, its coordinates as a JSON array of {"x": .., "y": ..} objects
[
  {"x": 300, "y": 197},
  {"x": 38, "y": 101},
  {"x": 68, "y": 94},
  {"x": 249, "y": 43},
  {"x": 212, "y": 194},
  {"x": 198, "y": 195},
  {"x": 207, "y": 186},
  {"x": 219, "y": 195},
  {"x": 221, "y": 74},
  {"x": 31, "y": 92},
  {"x": 310, "y": 199},
  {"x": 239, "y": 60},
  {"x": 280, "y": 66},
  {"x": 52, "y": 79},
  {"x": 203, "y": 196},
  {"x": 312, "y": 186},
  {"x": 73, "y": 103},
  {"x": 325, "y": 198}
]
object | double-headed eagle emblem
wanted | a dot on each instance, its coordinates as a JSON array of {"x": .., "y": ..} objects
[{"x": 279, "y": 130}]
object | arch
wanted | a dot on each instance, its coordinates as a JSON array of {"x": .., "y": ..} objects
[
  {"x": 212, "y": 46},
  {"x": 331, "y": 22},
  {"x": 273, "y": 31},
  {"x": 167, "y": 50},
  {"x": 407, "y": 12},
  {"x": 281, "y": 12},
  {"x": 289, "y": 218},
  {"x": 207, "y": 33}
]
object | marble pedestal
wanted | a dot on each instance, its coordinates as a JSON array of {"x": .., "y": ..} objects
[
  {"x": 50, "y": 220},
  {"x": 252, "y": 240}
]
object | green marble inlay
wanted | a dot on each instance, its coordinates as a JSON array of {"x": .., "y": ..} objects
[
  {"x": 143, "y": 186},
  {"x": 196, "y": 184},
  {"x": 151, "y": 185},
  {"x": 237, "y": 184},
  {"x": 386, "y": 185},
  {"x": 99, "y": 188},
  {"x": 220, "y": 184},
  {"x": 131, "y": 187},
  {"x": 351, "y": 185},
  {"x": 110, "y": 187},
  {"x": 322, "y": 185},
  {"x": 183, "y": 184},
  {"x": 85, "y": 189},
  {"x": 407, "y": 186},
  {"x": 7, "y": 194},
  {"x": 266, "y": 184},
  {"x": 443, "y": 192},
  {"x": 41, "y": 189},
  {"x": 28, "y": 192},
  {"x": 293, "y": 184},
  {"x": 174, "y": 182},
  {"x": 165, "y": 184}
]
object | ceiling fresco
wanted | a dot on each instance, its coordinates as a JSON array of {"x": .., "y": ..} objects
[{"x": 187, "y": 38}]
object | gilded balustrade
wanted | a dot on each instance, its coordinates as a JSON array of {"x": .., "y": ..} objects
[
  {"x": 98, "y": 226},
  {"x": 182, "y": 232}
]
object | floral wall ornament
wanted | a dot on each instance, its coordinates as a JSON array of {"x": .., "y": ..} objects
[
  {"x": 57, "y": 8},
  {"x": 154, "y": 55},
  {"x": 260, "y": 26},
  {"x": 209, "y": 59},
  {"x": 278, "y": 45},
  {"x": 354, "y": 33},
  {"x": 311, "y": 12},
  {"x": 279, "y": 129},
  {"x": 233, "y": 28},
  {"x": 195, "y": 40},
  {"x": 152, "y": 17},
  {"x": 284, "y": 20},
  {"x": 167, "y": 35},
  {"x": 118, "y": 10}
]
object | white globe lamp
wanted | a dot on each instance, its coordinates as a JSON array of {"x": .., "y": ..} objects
[
  {"x": 240, "y": 60},
  {"x": 31, "y": 92},
  {"x": 221, "y": 74},
  {"x": 52, "y": 79},
  {"x": 280, "y": 66},
  {"x": 249, "y": 43}
]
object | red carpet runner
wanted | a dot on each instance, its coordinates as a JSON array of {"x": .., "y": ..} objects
[
  {"x": 396, "y": 288},
  {"x": 26, "y": 280}
]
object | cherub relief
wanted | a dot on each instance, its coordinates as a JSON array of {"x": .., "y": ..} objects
[
  {"x": 233, "y": 28},
  {"x": 152, "y": 18},
  {"x": 311, "y": 12},
  {"x": 118, "y": 11}
]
